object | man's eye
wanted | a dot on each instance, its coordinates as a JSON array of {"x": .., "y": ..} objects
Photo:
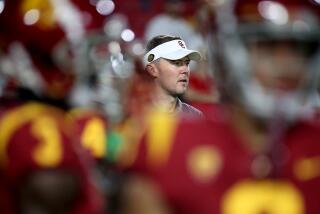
[{"x": 179, "y": 62}]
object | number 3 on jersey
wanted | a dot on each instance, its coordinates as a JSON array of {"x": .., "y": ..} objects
[{"x": 48, "y": 152}]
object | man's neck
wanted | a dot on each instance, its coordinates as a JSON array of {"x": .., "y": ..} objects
[{"x": 165, "y": 102}]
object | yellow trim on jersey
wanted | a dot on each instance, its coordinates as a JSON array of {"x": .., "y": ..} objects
[
  {"x": 263, "y": 196},
  {"x": 160, "y": 137}
]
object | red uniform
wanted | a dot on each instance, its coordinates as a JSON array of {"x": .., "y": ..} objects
[
  {"x": 36, "y": 137},
  {"x": 204, "y": 167}
]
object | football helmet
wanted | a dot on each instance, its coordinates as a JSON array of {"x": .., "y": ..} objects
[
  {"x": 265, "y": 52},
  {"x": 40, "y": 45},
  {"x": 67, "y": 49}
]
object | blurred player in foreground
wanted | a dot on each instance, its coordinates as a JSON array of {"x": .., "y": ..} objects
[
  {"x": 110, "y": 96},
  {"x": 259, "y": 151},
  {"x": 100, "y": 114},
  {"x": 43, "y": 168}
]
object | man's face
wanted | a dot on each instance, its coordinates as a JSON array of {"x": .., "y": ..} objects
[
  {"x": 173, "y": 75},
  {"x": 278, "y": 66}
]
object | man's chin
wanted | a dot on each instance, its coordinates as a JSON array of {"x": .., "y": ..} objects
[{"x": 179, "y": 93}]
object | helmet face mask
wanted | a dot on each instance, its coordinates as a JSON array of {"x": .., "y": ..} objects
[
  {"x": 277, "y": 66},
  {"x": 267, "y": 62}
]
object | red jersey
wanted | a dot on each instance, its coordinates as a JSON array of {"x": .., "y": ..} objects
[
  {"x": 35, "y": 137},
  {"x": 204, "y": 167}
]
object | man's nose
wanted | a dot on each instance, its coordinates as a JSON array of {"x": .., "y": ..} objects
[{"x": 184, "y": 69}]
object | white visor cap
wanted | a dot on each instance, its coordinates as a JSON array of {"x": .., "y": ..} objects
[{"x": 172, "y": 50}]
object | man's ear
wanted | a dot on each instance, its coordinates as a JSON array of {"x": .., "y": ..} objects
[{"x": 152, "y": 70}]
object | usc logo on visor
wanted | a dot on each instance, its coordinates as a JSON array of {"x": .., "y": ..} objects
[
  {"x": 181, "y": 44},
  {"x": 150, "y": 57}
]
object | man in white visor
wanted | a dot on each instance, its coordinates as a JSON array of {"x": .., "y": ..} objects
[{"x": 167, "y": 60}]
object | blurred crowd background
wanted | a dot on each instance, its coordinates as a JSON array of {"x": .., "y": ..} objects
[{"x": 78, "y": 133}]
